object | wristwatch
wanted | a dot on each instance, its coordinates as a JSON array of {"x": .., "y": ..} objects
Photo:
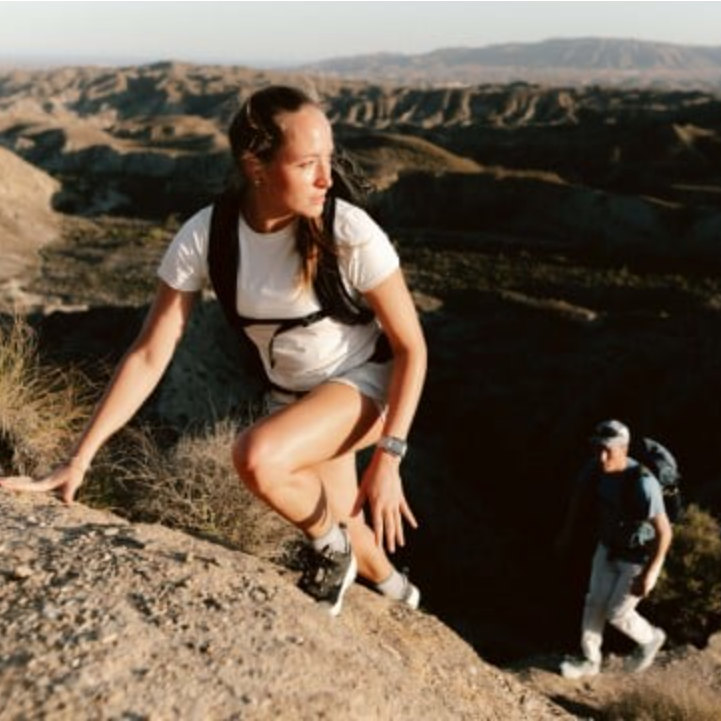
[{"x": 395, "y": 446}]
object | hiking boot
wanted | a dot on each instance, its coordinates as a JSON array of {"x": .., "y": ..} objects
[
  {"x": 574, "y": 668},
  {"x": 328, "y": 575},
  {"x": 645, "y": 654}
]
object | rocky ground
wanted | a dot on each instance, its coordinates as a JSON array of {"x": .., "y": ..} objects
[
  {"x": 102, "y": 619},
  {"x": 685, "y": 673}
]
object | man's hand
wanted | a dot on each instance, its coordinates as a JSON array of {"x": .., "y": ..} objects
[{"x": 643, "y": 584}]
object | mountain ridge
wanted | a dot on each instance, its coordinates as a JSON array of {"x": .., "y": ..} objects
[{"x": 567, "y": 60}]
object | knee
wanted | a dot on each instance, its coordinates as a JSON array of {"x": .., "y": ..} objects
[{"x": 254, "y": 461}]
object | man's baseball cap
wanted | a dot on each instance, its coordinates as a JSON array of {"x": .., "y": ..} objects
[{"x": 611, "y": 433}]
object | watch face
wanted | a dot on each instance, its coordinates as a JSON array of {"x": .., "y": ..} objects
[{"x": 396, "y": 446}]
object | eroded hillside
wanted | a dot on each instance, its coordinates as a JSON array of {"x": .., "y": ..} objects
[
  {"x": 150, "y": 140},
  {"x": 27, "y": 220}
]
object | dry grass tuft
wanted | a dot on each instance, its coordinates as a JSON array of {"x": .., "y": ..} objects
[
  {"x": 669, "y": 699},
  {"x": 41, "y": 408},
  {"x": 191, "y": 486}
]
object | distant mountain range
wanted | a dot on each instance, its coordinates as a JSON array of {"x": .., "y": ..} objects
[{"x": 557, "y": 61}]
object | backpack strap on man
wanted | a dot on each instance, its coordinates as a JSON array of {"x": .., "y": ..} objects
[{"x": 633, "y": 491}]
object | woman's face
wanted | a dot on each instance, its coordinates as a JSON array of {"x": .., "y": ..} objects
[{"x": 295, "y": 182}]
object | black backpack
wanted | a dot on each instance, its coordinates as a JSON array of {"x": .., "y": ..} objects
[
  {"x": 335, "y": 300},
  {"x": 661, "y": 463}
]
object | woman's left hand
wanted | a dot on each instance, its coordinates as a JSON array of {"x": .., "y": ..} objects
[{"x": 382, "y": 488}]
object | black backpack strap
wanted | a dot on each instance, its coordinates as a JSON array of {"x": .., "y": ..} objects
[
  {"x": 382, "y": 353},
  {"x": 223, "y": 263},
  {"x": 289, "y": 324},
  {"x": 633, "y": 491},
  {"x": 224, "y": 252}
]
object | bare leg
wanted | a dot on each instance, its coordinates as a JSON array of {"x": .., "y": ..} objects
[
  {"x": 278, "y": 457},
  {"x": 340, "y": 482}
]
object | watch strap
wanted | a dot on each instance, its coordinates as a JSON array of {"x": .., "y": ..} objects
[{"x": 393, "y": 445}]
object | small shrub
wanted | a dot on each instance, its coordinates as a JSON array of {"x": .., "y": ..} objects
[
  {"x": 41, "y": 408},
  {"x": 668, "y": 700},
  {"x": 688, "y": 600},
  {"x": 191, "y": 486}
]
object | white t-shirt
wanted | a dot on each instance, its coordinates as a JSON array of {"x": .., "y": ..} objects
[{"x": 268, "y": 287}]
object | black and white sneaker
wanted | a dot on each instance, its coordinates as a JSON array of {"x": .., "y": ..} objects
[{"x": 328, "y": 575}]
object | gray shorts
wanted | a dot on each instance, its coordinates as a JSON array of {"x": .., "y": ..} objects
[{"x": 370, "y": 379}]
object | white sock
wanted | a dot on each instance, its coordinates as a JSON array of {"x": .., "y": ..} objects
[
  {"x": 394, "y": 586},
  {"x": 334, "y": 539}
]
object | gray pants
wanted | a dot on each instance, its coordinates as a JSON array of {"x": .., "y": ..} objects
[{"x": 610, "y": 599}]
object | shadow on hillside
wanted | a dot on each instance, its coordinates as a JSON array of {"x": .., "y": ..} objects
[{"x": 579, "y": 710}]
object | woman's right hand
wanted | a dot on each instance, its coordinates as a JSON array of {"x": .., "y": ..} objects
[{"x": 64, "y": 480}]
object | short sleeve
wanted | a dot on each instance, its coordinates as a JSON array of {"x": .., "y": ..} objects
[
  {"x": 654, "y": 494},
  {"x": 185, "y": 263},
  {"x": 366, "y": 255}
]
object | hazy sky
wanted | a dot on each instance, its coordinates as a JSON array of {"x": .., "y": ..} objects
[{"x": 274, "y": 33}]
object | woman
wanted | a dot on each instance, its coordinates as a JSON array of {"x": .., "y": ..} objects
[{"x": 332, "y": 393}]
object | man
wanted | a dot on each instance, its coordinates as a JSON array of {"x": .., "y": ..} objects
[{"x": 634, "y": 535}]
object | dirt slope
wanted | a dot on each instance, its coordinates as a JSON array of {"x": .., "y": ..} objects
[
  {"x": 102, "y": 619},
  {"x": 688, "y": 676}
]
